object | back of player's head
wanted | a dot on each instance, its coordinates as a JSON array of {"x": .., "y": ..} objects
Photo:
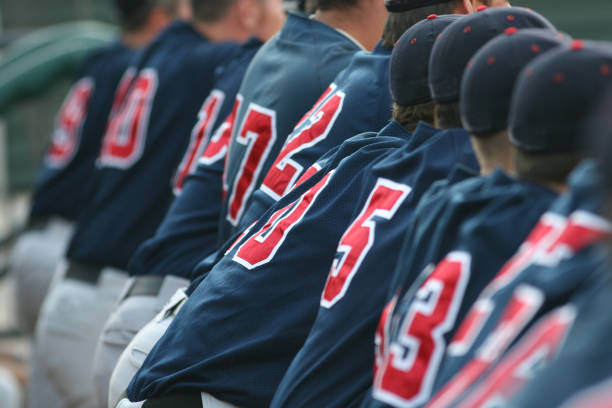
[
  {"x": 552, "y": 100},
  {"x": 488, "y": 82},
  {"x": 460, "y": 41},
  {"x": 134, "y": 14},
  {"x": 403, "y": 14},
  {"x": 409, "y": 80}
]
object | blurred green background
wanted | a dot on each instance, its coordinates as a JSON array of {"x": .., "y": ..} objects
[{"x": 28, "y": 123}]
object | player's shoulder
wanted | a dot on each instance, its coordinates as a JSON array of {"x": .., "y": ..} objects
[
  {"x": 106, "y": 57},
  {"x": 364, "y": 63},
  {"x": 236, "y": 62},
  {"x": 220, "y": 52},
  {"x": 357, "y": 147}
]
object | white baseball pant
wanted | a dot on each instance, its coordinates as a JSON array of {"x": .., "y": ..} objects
[{"x": 132, "y": 314}]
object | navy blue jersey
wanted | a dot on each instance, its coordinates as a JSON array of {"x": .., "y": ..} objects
[
  {"x": 64, "y": 184},
  {"x": 357, "y": 101},
  {"x": 356, "y": 290},
  {"x": 143, "y": 145},
  {"x": 285, "y": 79},
  {"x": 557, "y": 258},
  {"x": 461, "y": 236},
  {"x": 255, "y": 307},
  {"x": 580, "y": 374},
  {"x": 189, "y": 230}
]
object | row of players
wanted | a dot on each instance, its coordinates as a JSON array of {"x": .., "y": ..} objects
[{"x": 306, "y": 238}]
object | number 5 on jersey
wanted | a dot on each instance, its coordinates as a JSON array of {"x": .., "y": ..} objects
[{"x": 383, "y": 203}]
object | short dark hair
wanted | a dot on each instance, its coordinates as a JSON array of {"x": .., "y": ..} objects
[
  {"x": 331, "y": 4},
  {"x": 210, "y": 11},
  {"x": 447, "y": 115},
  {"x": 397, "y": 23},
  {"x": 410, "y": 116},
  {"x": 545, "y": 167},
  {"x": 133, "y": 15}
]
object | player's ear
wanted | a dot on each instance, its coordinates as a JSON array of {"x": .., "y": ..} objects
[
  {"x": 250, "y": 13},
  {"x": 185, "y": 10}
]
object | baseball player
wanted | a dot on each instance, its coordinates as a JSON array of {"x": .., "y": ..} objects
[
  {"x": 144, "y": 141},
  {"x": 451, "y": 229},
  {"x": 241, "y": 326},
  {"x": 356, "y": 288},
  {"x": 189, "y": 229},
  {"x": 357, "y": 101},
  {"x": 303, "y": 75},
  {"x": 580, "y": 375},
  {"x": 283, "y": 82},
  {"x": 556, "y": 258},
  {"x": 64, "y": 183}
]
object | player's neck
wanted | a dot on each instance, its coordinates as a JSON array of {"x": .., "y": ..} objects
[
  {"x": 355, "y": 22},
  {"x": 493, "y": 151},
  {"x": 223, "y": 30},
  {"x": 558, "y": 188},
  {"x": 137, "y": 39}
]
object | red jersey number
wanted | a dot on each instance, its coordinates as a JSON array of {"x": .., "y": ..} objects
[
  {"x": 67, "y": 134},
  {"x": 257, "y": 134},
  {"x": 537, "y": 348},
  {"x": 552, "y": 240},
  {"x": 126, "y": 132},
  {"x": 285, "y": 171},
  {"x": 405, "y": 376},
  {"x": 261, "y": 247},
  {"x": 199, "y": 136},
  {"x": 383, "y": 203}
]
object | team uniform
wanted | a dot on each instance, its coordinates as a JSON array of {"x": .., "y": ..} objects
[
  {"x": 461, "y": 236},
  {"x": 187, "y": 234},
  {"x": 144, "y": 142},
  {"x": 357, "y": 101},
  {"x": 189, "y": 230},
  {"x": 65, "y": 180},
  {"x": 230, "y": 354},
  {"x": 556, "y": 260},
  {"x": 285, "y": 79},
  {"x": 319, "y": 210},
  {"x": 356, "y": 288},
  {"x": 579, "y": 376}
]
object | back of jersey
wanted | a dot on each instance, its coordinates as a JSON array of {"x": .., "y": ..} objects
[
  {"x": 65, "y": 182},
  {"x": 555, "y": 259},
  {"x": 358, "y": 101},
  {"x": 461, "y": 236},
  {"x": 189, "y": 230},
  {"x": 144, "y": 142},
  {"x": 284, "y": 80}
]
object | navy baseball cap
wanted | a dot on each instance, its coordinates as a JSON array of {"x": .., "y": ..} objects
[
  {"x": 397, "y": 6},
  {"x": 409, "y": 67},
  {"x": 555, "y": 94},
  {"x": 488, "y": 82},
  {"x": 460, "y": 41}
]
